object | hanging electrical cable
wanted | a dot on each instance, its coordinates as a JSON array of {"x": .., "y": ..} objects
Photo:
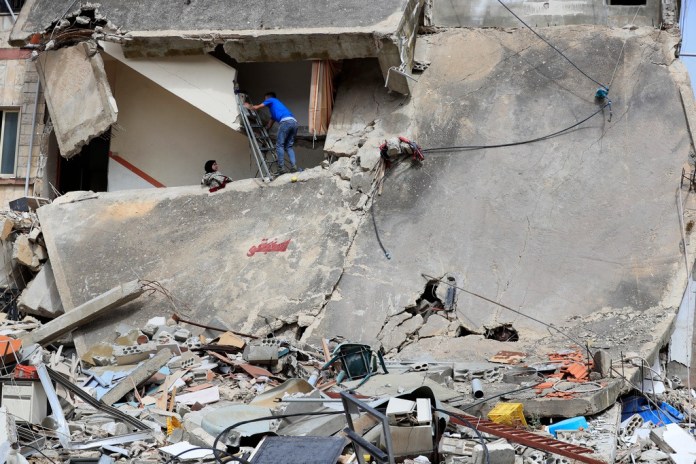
[
  {"x": 522, "y": 142},
  {"x": 553, "y": 46}
]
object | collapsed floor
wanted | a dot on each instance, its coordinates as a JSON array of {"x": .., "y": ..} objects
[{"x": 580, "y": 232}]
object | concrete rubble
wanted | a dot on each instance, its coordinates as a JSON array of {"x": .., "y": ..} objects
[
  {"x": 168, "y": 389},
  {"x": 166, "y": 325}
]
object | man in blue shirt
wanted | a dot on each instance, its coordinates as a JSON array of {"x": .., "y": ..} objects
[{"x": 286, "y": 132}]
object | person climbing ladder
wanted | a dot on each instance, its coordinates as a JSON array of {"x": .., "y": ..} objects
[{"x": 287, "y": 131}]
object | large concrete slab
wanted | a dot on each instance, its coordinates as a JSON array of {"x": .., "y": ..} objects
[
  {"x": 199, "y": 247},
  {"x": 66, "y": 74},
  {"x": 219, "y": 15},
  {"x": 580, "y": 231},
  {"x": 490, "y": 13}
]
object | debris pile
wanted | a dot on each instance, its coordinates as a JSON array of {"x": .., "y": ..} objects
[{"x": 178, "y": 390}]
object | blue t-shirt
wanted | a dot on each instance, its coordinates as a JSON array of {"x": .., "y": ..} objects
[{"x": 278, "y": 110}]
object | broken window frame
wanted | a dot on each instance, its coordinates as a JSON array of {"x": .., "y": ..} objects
[
  {"x": 16, "y": 6},
  {"x": 4, "y": 151}
]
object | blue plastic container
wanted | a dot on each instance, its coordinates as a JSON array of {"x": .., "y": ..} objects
[
  {"x": 667, "y": 414},
  {"x": 574, "y": 423}
]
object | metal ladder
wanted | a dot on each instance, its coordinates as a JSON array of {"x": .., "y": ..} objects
[
  {"x": 540, "y": 442},
  {"x": 262, "y": 147}
]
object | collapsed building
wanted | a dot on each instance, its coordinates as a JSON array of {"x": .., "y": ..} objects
[{"x": 548, "y": 225}]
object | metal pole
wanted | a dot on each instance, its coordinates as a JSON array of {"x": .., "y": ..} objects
[
  {"x": 9, "y": 8},
  {"x": 33, "y": 134}
]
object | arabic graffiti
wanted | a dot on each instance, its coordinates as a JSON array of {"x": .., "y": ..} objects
[{"x": 265, "y": 246}]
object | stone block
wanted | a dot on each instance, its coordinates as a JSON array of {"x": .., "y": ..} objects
[
  {"x": 133, "y": 354},
  {"x": 185, "y": 361},
  {"x": 362, "y": 182},
  {"x": 305, "y": 320},
  {"x": 6, "y": 227},
  {"x": 34, "y": 234},
  {"x": 23, "y": 252},
  {"x": 41, "y": 297},
  {"x": 499, "y": 452},
  {"x": 182, "y": 335},
  {"x": 602, "y": 362}
]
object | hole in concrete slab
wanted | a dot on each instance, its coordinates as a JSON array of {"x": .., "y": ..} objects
[
  {"x": 502, "y": 333},
  {"x": 463, "y": 332},
  {"x": 689, "y": 227}
]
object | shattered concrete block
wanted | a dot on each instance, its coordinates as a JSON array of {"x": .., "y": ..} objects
[
  {"x": 34, "y": 234},
  {"x": 41, "y": 296},
  {"x": 164, "y": 338},
  {"x": 456, "y": 446},
  {"x": 602, "y": 362},
  {"x": 362, "y": 182},
  {"x": 342, "y": 168},
  {"x": 369, "y": 158},
  {"x": 499, "y": 452},
  {"x": 182, "y": 335},
  {"x": 434, "y": 326},
  {"x": 143, "y": 372},
  {"x": 193, "y": 343},
  {"x": 6, "y": 227},
  {"x": 393, "y": 146},
  {"x": 23, "y": 252},
  {"x": 305, "y": 320},
  {"x": 133, "y": 354},
  {"x": 185, "y": 361},
  {"x": 264, "y": 351}
]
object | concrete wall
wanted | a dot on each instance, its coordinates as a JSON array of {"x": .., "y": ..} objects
[
  {"x": 489, "y": 13},
  {"x": 166, "y": 137},
  {"x": 18, "y": 80}
]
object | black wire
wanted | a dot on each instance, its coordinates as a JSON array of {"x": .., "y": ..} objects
[
  {"x": 471, "y": 426},
  {"x": 40, "y": 452},
  {"x": 258, "y": 419},
  {"x": 552, "y": 46},
  {"x": 512, "y": 144},
  {"x": 504, "y": 307},
  {"x": 379, "y": 239}
]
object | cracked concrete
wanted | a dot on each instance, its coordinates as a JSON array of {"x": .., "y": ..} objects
[
  {"x": 563, "y": 229},
  {"x": 579, "y": 231},
  {"x": 200, "y": 247}
]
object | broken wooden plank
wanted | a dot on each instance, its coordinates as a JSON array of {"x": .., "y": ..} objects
[
  {"x": 84, "y": 313},
  {"x": 141, "y": 373}
]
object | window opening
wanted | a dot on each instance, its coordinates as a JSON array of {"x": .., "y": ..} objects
[
  {"x": 16, "y": 5},
  {"x": 9, "y": 135}
]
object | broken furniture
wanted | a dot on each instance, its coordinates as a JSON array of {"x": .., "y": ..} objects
[
  {"x": 298, "y": 450},
  {"x": 25, "y": 399},
  {"x": 352, "y": 405},
  {"x": 358, "y": 361}
]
